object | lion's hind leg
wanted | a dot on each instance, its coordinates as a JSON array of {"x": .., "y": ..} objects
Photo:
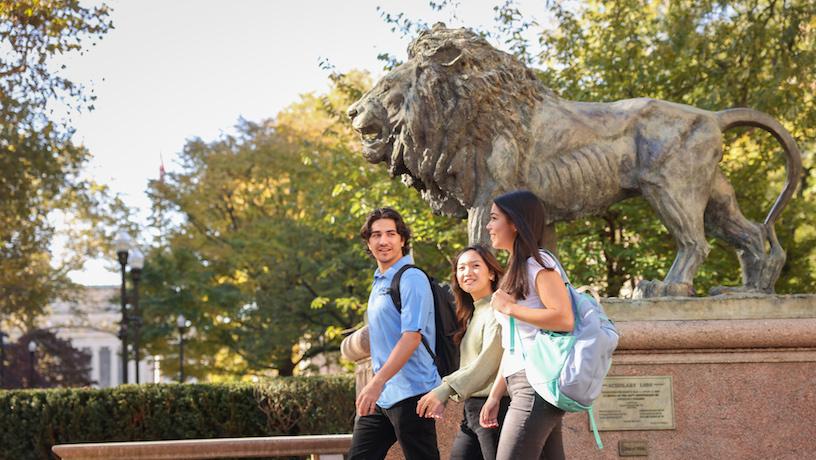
[
  {"x": 724, "y": 220},
  {"x": 684, "y": 219}
]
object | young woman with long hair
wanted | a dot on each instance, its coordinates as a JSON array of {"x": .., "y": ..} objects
[
  {"x": 476, "y": 274},
  {"x": 533, "y": 294}
]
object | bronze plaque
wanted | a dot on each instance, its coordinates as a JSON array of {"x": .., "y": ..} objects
[
  {"x": 635, "y": 403},
  {"x": 632, "y": 449}
]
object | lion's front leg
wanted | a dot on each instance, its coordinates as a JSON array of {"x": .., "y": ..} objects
[
  {"x": 478, "y": 218},
  {"x": 549, "y": 240}
]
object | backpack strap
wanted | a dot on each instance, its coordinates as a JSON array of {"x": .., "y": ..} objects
[
  {"x": 394, "y": 292},
  {"x": 570, "y": 288},
  {"x": 514, "y": 329},
  {"x": 512, "y": 335},
  {"x": 513, "y": 332},
  {"x": 560, "y": 267},
  {"x": 594, "y": 428}
]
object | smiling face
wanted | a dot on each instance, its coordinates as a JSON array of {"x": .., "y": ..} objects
[
  {"x": 502, "y": 232},
  {"x": 473, "y": 275},
  {"x": 385, "y": 243}
]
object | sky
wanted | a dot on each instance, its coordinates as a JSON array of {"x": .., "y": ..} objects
[{"x": 175, "y": 70}]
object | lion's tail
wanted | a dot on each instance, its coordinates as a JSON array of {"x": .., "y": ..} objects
[{"x": 732, "y": 118}]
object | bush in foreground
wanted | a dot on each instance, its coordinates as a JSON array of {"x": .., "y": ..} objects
[{"x": 32, "y": 421}]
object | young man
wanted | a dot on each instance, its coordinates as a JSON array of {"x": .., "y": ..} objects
[{"x": 403, "y": 370}]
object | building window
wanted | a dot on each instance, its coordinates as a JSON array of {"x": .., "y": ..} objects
[
  {"x": 104, "y": 367},
  {"x": 119, "y": 367},
  {"x": 89, "y": 352}
]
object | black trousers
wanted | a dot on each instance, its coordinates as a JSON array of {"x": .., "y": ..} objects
[
  {"x": 473, "y": 442},
  {"x": 374, "y": 434}
]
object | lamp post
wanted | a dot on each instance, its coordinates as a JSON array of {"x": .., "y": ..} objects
[
  {"x": 2, "y": 358},
  {"x": 32, "y": 349},
  {"x": 122, "y": 244},
  {"x": 136, "y": 265},
  {"x": 181, "y": 323}
]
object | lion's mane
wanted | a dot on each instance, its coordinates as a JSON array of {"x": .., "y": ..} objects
[{"x": 465, "y": 93}]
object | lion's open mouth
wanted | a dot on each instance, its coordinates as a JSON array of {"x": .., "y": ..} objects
[
  {"x": 372, "y": 122},
  {"x": 376, "y": 138},
  {"x": 371, "y": 133}
]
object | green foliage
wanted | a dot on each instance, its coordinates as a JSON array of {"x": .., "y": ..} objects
[
  {"x": 262, "y": 251},
  {"x": 328, "y": 409},
  {"x": 32, "y": 32},
  {"x": 32, "y": 421},
  {"x": 39, "y": 165}
]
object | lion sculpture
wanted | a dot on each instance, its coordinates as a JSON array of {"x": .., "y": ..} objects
[{"x": 464, "y": 122}]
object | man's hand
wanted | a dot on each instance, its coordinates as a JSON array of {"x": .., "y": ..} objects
[
  {"x": 430, "y": 407},
  {"x": 367, "y": 399}
]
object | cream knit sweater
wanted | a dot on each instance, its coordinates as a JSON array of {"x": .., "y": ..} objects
[{"x": 480, "y": 354}]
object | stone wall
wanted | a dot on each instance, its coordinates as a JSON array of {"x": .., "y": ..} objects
[{"x": 743, "y": 373}]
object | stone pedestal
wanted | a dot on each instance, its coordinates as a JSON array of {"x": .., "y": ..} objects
[
  {"x": 356, "y": 348},
  {"x": 743, "y": 379}
]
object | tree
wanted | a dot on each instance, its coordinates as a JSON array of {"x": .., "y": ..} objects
[
  {"x": 266, "y": 261},
  {"x": 39, "y": 165},
  {"x": 55, "y": 363}
]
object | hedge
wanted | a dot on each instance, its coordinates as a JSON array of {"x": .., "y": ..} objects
[{"x": 31, "y": 421}]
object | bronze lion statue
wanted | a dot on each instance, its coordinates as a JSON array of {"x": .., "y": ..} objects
[{"x": 463, "y": 122}]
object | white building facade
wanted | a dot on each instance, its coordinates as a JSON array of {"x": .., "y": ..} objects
[{"x": 91, "y": 324}]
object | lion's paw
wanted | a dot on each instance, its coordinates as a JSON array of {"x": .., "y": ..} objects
[{"x": 654, "y": 288}]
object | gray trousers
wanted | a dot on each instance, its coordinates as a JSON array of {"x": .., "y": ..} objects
[{"x": 532, "y": 427}]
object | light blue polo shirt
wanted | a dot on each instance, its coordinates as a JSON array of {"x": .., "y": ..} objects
[{"x": 386, "y": 325}]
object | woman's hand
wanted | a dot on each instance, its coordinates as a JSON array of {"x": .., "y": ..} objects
[
  {"x": 502, "y": 302},
  {"x": 430, "y": 407},
  {"x": 489, "y": 416}
]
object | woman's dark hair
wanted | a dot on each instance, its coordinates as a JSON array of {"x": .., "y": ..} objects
[
  {"x": 386, "y": 213},
  {"x": 464, "y": 301},
  {"x": 526, "y": 212}
]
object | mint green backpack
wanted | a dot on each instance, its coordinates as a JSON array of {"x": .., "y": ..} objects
[{"x": 568, "y": 369}]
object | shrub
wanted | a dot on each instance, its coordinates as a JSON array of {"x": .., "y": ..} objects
[{"x": 32, "y": 421}]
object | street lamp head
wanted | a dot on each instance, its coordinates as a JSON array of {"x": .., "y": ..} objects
[
  {"x": 122, "y": 242},
  {"x": 32, "y": 346},
  {"x": 136, "y": 259},
  {"x": 181, "y": 322}
]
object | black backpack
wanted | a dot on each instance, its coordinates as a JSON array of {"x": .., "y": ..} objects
[{"x": 446, "y": 355}]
